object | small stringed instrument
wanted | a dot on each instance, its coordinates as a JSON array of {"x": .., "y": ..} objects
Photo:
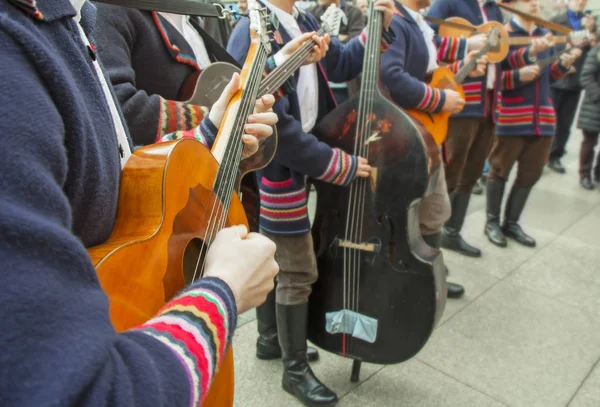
[
  {"x": 461, "y": 28},
  {"x": 173, "y": 199},
  {"x": 443, "y": 78}
]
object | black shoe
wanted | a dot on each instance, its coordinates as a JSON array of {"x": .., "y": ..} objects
[
  {"x": 477, "y": 189},
  {"x": 555, "y": 165},
  {"x": 494, "y": 192},
  {"x": 587, "y": 183},
  {"x": 267, "y": 344},
  {"x": 455, "y": 290},
  {"x": 514, "y": 208},
  {"x": 298, "y": 378},
  {"x": 451, "y": 238}
]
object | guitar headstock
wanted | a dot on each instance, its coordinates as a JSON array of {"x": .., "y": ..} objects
[
  {"x": 579, "y": 38},
  {"x": 332, "y": 19},
  {"x": 259, "y": 23},
  {"x": 493, "y": 38}
]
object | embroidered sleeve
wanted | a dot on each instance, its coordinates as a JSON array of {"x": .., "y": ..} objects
[
  {"x": 197, "y": 327},
  {"x": 451, "y": 49},
  {"x": 433, "y": 101},
  {"x": 178, "y": 116},
  {"x": 206, "y": 133},
  {"x": 387, "y": 38},
  {"x": 519, "y": 58},
  {"x": 511, "y": 79},
  {"x": 341, "y": 169},
  {"x": 558, "y": 70}
]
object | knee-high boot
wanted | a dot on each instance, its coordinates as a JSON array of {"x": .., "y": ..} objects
[
  {"x": 267, "y": 344},
  {"x": 451, "y": 238},
  {"x": 298, "y": 378},
  {"x": 514, "y": 208},
  {"x": 495, "y": 193}
]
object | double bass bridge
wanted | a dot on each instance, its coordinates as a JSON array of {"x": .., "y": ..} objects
[{"x": 365, "y": 247}]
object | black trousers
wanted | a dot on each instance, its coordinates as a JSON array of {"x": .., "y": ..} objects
[{"x": 565, "y": 104}]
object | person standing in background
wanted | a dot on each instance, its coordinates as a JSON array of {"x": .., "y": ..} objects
[
  {"x": 567, "y": 91},
  {"x": 589, "y": 119},
  {"x": 355, "y": 22}
]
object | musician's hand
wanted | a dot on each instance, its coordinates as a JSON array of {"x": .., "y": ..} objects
[
  {"x": 479, "y": 69},
  {"x": 454, "y": 102},
  {"x": 568, "y": 58},
  {"x": 319, "y": 50},
  {"x": 529, "y": 73},
  {"x": 539, "y": 45},
  {"x": 476, "y": 42},
  {"x": 364, "y": 169},
  {"x": 588, "y": 22},
  {"x": 246, "y": 262},
  {"x": 387, "y": 8}
]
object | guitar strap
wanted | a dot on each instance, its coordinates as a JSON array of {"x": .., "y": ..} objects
[
  {"x": 185, "y": 7},
  {"x": 212, "y": 45}
]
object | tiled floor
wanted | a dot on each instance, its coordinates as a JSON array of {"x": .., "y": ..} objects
[{"x": 527, "y": 332}]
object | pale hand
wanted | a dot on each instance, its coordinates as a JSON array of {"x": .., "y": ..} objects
[
  {"x": 539, "y": 45},
  {"x": 364, "y": 169},
  {"x": 479, "y": 69},
  {"x": 588, "y": 22},
  {"x": 568, "y": 58},
  {"x": 454, "y": 102},
  {"x": 529, "y": 73},
  {"x": 387, "y": 8},
  {"x": 319, "y": 50},
  {"x": 246, "y": 262},
  {"x": 476, "y": 42},
  {"x": 260, "y": 122}
]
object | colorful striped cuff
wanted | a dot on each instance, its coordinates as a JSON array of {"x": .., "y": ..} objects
[
  {"x": 206, "y": 133},
  {"x": 178, "y": 116},
  {"x": 341, "y": 169},
  {"x": 452, "y": 49},
  {"x": 520, "y": 58},
  {"x": 510, "y": 79},
  {"x": 557, "y": 70},
  {"x": 197, "y": 326},
  {"x": 456, "y": 66},
  {"x": 433, "y": 100}
]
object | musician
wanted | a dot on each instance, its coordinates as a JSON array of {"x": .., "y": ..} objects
[
  {"x": 403, "y": 71},
  {"x": 63, "y": 144},
  {"x": 470, "y": 132},
  {"x": 283, "y": 186},
  {"x": 150, "y": 94},
  {"x": 526, "y": 124},
  {"x": 567, "y": 91},
  {"x": 355, "y": 23}
]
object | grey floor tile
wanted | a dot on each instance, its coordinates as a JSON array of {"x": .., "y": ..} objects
[
  {"x": 517, "y": 346},
  {"x": 246, "y": 317},
  {"x": 567, "y": 270},
  {"x": 589, "y": 393},
  {"x": 413, "y": 383},
  {"x": 587, "y": 228},
  {"x": 495, "y": 261}
]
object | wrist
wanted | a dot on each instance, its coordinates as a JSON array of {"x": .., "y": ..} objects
[{"x": 279, "y": 58}]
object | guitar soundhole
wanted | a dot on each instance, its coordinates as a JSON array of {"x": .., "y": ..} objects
[{"x": 193, "y": 260}]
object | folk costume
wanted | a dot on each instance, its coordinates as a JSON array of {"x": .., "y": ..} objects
[
  {"x": 526, "y": 125},
  {"x": 566, "y": 93},
  {"x": 283, "y": 186},
  {"x": 589, "y": 119},
  {"x": 59, "y": 195},
  {"x": 470, "y": 132},
  {"x": 404, "y": 68},
  {"x": 127, "y": 40}
]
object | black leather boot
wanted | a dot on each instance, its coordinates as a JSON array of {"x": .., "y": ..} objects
[
  {"x": 454, "y": 290},
  {"x": 514, "y": 208},
  {"x": 267, "y": 344},
  {"x": 298, "y": 378},
  {"x": 451, "y": 238},
  {"x": 495, "y": 192}
]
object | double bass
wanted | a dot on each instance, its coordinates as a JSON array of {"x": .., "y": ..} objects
[{"x": 381, "y": 288}]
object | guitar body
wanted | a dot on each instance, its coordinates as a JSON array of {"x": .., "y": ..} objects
[
  {"x": 437, "y": 123},
  {"x": 401, "y": 280},
  {"x": 166, "y": 198},
  {"x": 497, "y": 53}
]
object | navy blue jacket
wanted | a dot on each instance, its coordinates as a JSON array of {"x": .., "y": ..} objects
[
  {"x": 59, "y": 176},
  {"x": 282, "y": 183},
  {"x": 526, "y": 108},
  {"x": 474, "y": 88}
]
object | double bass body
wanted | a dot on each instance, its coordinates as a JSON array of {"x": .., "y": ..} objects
[{"x": 386, "y": 274}]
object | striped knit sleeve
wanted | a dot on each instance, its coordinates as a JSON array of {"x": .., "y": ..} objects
[
  {"x": 451, "y": 49},
  {"x": 511, "y": 79},
  {"x": 433, "y": 100},
  {"x": 456, "y": 66},
  {"x": 206, "y": 133},
  {"x": 558, "y": 70},
  {"x": 197, "y": 326},
  {"x": 519, "y": 58},
  {"x": 178, "y": 116},
  {"x": 341, "y": 169},
  {"x": 387, "y": 38}
]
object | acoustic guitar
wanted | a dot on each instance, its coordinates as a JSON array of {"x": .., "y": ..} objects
[
  {"x": 443, "y": 78},
  {"x": 460, "y": 28},
  {"x": 173, "y": 199}
]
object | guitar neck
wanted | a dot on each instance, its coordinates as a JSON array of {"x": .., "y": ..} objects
[
  {"x": 462, "y": 74},
  {"x": 527, "y": 40},
  {"x": 279, "y": 75}
]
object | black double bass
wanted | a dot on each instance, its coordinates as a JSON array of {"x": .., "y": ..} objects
[{"x": 381, "y": 288}]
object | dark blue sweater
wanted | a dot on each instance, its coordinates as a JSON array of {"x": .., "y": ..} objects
[
  {"x": 282, "y": 183},
  {"x": 59, "y": 175}
]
